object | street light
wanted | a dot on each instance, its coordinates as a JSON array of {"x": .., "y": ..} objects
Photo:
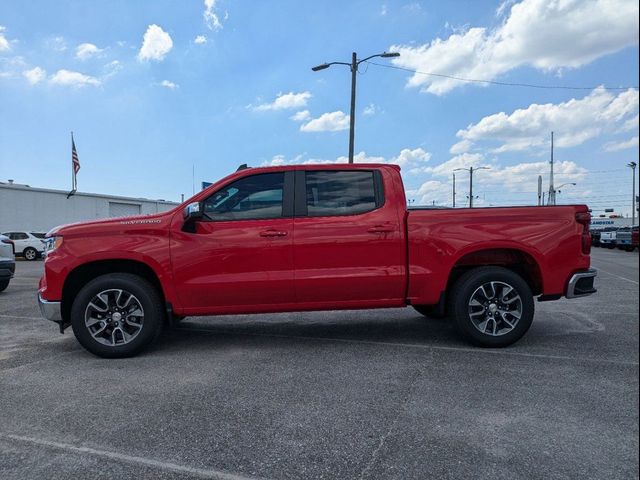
[
  {"x": 471, "y": 170},
  {"x": 354, "y": 69}
]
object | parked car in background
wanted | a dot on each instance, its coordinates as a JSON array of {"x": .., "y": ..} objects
[
  {"x": 27, "y": 244},
  {"x": 608, "y": 237},
  {"x": 625, "y": 237},
  {"x": 595, "y": 237},
  {"x": 313, "y": 237},
  {"x": 7, "y": 262}
]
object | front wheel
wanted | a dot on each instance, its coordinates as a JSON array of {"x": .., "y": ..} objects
[
  {"x": 30, "y": 253},
  {"x": 491, "y": 306},
  {"x": 117, "y": 315}
]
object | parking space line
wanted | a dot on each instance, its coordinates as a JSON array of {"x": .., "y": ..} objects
[
  {"x": 21, "y": 318},
  {"x": 418, "y": 346},
  {"x": 130, "y": 459},
  {"x": 617, "y": 276}
]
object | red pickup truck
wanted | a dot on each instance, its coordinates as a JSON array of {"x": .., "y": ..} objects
[{"x": 312, "y": 237}]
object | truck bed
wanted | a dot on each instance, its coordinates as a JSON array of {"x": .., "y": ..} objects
[{"x": 544, "y": 240}]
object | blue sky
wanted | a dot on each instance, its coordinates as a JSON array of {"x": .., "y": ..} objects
[{"x": 155, "y": 89}]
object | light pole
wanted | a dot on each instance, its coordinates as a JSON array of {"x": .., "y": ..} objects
[
  {"x": 471, "y": 170},
  {"x": 559, "y": 191},
  {"x": 354, "y": 70},
  {"x": 632, "y": 166}
]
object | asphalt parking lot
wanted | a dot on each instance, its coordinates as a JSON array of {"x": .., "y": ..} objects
[{"x": 335, "y": 395}]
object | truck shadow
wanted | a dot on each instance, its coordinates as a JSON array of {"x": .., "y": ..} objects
[{"x": 394, "y": 326}]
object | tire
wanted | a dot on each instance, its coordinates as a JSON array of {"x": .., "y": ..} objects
[
  {"x": 3, "y": 285},
  {"x": 30, "y": 254},
  {"x": 429, "y": 311},
  {"x": 136, "y": 319},
  {"x": 470, "y": 307}
]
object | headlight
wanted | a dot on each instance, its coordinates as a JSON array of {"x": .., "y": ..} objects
[{"x": 52, "y": 243}]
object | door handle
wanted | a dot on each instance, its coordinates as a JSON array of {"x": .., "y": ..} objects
[
  {"x": 273, "y": 233},
  {"x": 381, "y": 229}
]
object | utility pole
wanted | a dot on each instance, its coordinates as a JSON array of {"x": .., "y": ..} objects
[
  {"x": 539, "y": 190},
  {"x": 632, "y": 166},
  {"x": 454, "y": 190},
  {"x": 552, "y": 192},
  {"x": 471, "y": 170},
  {"x": 353, "y": 65}
]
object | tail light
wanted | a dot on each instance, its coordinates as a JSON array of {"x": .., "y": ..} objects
[
  {"x": 10, "y": 242},
  {"x": 584, "y": 219}
]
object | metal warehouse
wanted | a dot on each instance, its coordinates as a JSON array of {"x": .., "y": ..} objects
[{"x": 23, "y": 208}]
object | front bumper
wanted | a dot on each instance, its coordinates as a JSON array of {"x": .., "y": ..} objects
[
  {"x": 50, "y": 310},
  {"x": 581, "y": 284},
  {"x": 7, "y": 269}
]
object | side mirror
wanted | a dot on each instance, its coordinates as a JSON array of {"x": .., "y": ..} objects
[{"x": 193, "y": 211}]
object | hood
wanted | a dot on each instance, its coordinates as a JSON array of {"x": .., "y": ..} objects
[{"x": 109, "y": 225}]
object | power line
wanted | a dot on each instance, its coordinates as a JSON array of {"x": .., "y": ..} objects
[{"x": 494, "y": 82}]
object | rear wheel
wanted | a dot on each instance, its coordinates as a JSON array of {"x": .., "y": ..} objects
[
  {"x": 491, "y": 306},
  {"x": 30, "y": 253},
  {"x": 3, "y": 285},
  {"x": 117, "y": 315}
]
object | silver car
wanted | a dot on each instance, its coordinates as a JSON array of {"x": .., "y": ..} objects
[{"x": 7, "y": 261}]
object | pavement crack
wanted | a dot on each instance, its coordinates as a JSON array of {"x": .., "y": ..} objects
[{"x": 383, "y": 438}]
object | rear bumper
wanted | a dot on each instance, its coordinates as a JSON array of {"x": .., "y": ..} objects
[
  {"x": 50, "y": 310},
  {"x": 7, "y": 269},
  {"x": 581, "y": 284}
]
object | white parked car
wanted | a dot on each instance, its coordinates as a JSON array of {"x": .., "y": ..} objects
[
  {"x": 7, "y": 262},
  {"x": 29, "y": 245}
]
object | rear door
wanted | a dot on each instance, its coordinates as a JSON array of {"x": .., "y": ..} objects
[
  {"x": 240, "y": 257},
  {"x": 349, "y": 243}
]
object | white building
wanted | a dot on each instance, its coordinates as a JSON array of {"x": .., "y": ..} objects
[{"x": 23, "y": 208}]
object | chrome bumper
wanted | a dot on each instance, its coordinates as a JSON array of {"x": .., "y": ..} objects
[
  {"x": 581, "y": 284},
  {"x": 50, "y": 310}
]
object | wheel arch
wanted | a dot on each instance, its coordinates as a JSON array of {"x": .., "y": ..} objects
[
  {"x": 84, "y": 273},
  {"x": 517, "y": 260}
]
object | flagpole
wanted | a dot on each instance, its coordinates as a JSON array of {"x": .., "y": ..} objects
[{"x": 73, "y": 173}]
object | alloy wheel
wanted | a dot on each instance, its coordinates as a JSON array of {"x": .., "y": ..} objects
[
  {"x": 495, "y": 308},
  {"x": 114, "y": 317}
]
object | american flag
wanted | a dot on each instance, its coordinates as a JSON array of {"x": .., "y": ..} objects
[{"x": 74, "y": 157}]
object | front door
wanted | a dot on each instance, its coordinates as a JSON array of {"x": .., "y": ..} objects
[{"x": 240, "y": 257}]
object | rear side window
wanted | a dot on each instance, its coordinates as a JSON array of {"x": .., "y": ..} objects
[
  {"x": 335, "y": 192},
  {"x": 250, "y": 198},
  {"x": 38, "y": 235}
]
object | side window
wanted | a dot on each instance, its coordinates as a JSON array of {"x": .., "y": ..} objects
[
  {"x": 250, "y": 198},
  {"x": 21, "y": 236},
  {"x": 340, "y": 192}
]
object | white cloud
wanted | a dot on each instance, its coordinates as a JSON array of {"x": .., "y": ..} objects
[
  {"x": 327, "y": 122},
  {"x": 35, "y": 75},
  {"x": 407, "y": 159},
  {"x": 58, "y": 44},
  {"x": 155, "y": 44},
  {"x": 211, "y": 16},
  {"x": 539, "y": 33},
  {"x": 4, "y": 43},
  {"x": 513, "y": 179},
  {"x": 370, "y": 110},
  {"x": 574, "y": 122},
  {"x": 169, "y": 84},
  {"x": 286, "y": 101},
  {"x": 73, "y": 79},
  {"x": 615, "y": 146},
  {"x": 85, "y": 51},
  {"x": 300, "y": 116},
  {"x": 200, "y": 40}
]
